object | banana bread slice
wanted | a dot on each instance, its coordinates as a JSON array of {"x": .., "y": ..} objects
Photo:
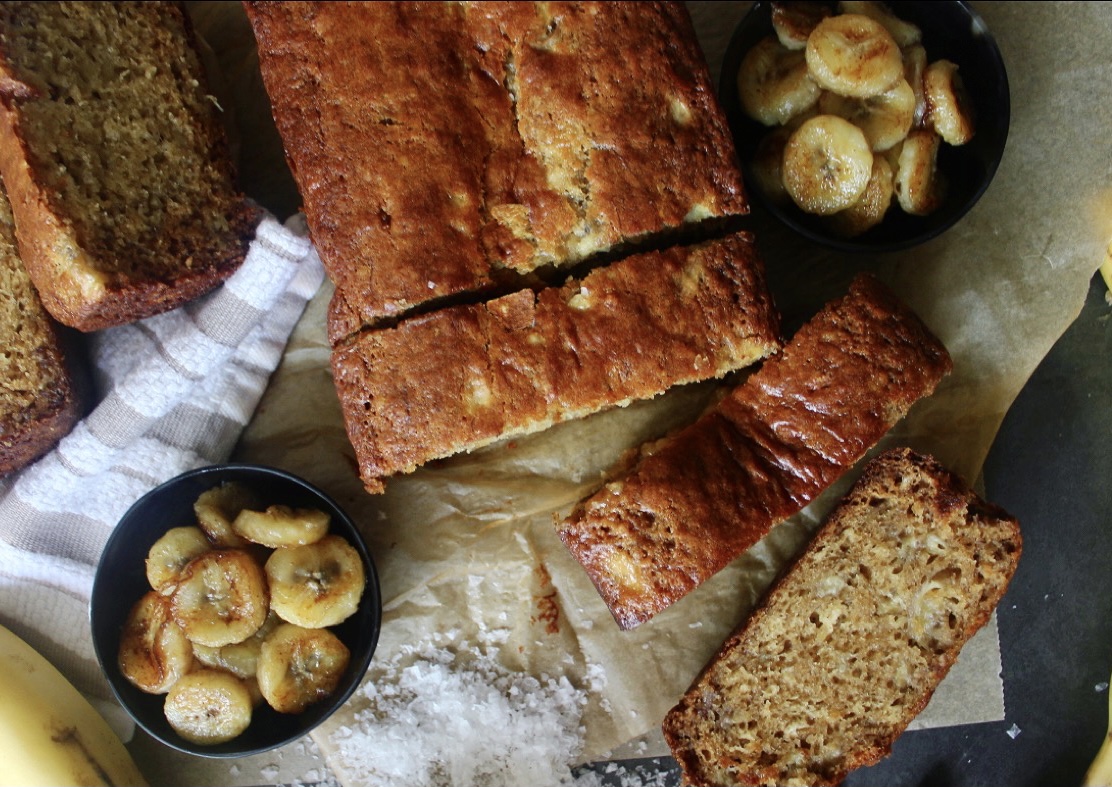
[
  {"x": 701, "y": 497},
  {"x": 460, "y": 378},
  {"x": 850, "y": 644},
  {"x": 517, "y": 136},
  {"x": 40, "y": 395},
  {"x": 115, "y": 160}
]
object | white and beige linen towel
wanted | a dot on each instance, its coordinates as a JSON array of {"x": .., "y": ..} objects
[{"x": 173, "y": 393}]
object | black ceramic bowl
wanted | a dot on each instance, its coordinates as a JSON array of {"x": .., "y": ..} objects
[
  {"x": 121, "y": 580},
  {"x": 951, "y": 30}
]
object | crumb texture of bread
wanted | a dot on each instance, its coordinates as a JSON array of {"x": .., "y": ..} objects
[
  {"x": 459, "y": 378},
  {"x": 115, "y": 160},
  {"x": 40, "y": 399},
  {"x": 702, "y": 496},
  {"x": 850, "y": 644},
  {"x": 531, "y": 135}
]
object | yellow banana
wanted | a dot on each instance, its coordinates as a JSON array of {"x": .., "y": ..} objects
[
  {"x": 49, "y": 733},
  {"x": 1106, "y": 268},
  {"x": 1100, "y": 771}
]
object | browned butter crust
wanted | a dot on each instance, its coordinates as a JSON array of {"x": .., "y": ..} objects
[
  {"x": 700, "y": 498},
  {"x": 850, "y": 644},
  {"x": 445, "y": 148},
  {"x": 459, "y": 378}
]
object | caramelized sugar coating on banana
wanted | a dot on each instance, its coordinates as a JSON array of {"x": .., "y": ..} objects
[
  {"x": 282, "y": 526},
  {"x": 209, "y": 706},
  {"x": 299, "y": 666},
  {"x": 154, "y": 651},
  {"x": 316, "y": 585},
  {"x": 221, "y": 597},
  {"x": 170, "y": 554}
]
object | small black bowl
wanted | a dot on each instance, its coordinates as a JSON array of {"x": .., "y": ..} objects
[
  {"x": 951, "y": 30},
  {"x": 121, "y": 580}
]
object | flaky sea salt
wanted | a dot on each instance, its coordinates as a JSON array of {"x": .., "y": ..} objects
[{"x": 455, "y": 716}]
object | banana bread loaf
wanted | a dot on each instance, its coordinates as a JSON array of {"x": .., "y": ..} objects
[
  {"x": 701, "y": 497},
  {"x": 41, "y": 397},
  {"x": 514, "y": 137},
  {"x": 460, "y": 378},
  {"x": 115, "y": 160},
  {"x": 848, "y": 646}
]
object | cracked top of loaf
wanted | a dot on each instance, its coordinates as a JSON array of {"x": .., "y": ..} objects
[
  {"x": 459, "y": 378},
  {"x": 445, "y": 148}
]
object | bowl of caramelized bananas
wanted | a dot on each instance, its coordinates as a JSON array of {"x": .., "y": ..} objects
[
  {"x": 866, "y": 125},
  {"x": 235, "y": 607}
]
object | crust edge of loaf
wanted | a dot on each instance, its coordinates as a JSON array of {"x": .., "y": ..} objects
[{"x": 957, "y": 491}]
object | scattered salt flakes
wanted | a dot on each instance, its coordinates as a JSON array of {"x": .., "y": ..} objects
[
  {"x": 623, "y": 776},
  {"x": 1101, "y": 687},
  {"x": 698, "y": 624},
  {"x": 234, "y": 770},
  {"x": 270, "y": 773},
  {"x": 458, "y": 717},
  {"x": 1013, "y": 731}
]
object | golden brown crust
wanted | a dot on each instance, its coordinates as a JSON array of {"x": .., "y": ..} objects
[
  {"x": 528, "y": 138},
  {"x": 459, "y": 378},
  {"x": 43, "y": 382},
  {"x": 863, "y": 627},
  {"x": 26, "y": 435},
  {"x": 702, "y": 497},
  {"x": 90, "y": 276}
]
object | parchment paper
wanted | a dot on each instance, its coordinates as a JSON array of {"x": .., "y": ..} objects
[{"x": 466, "y": 547}]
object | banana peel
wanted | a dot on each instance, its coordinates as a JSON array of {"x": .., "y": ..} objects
[
  {"x": 1106, "y": 269},
  {"x": 49, "y": 733},
  {"x": 1100, "y": 771}
]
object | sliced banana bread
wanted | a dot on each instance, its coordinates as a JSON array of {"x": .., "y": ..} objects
[
  {"x": 40, "y": 398},
  {"x": 460, "y": 378},
  {"x": 516, "y": 136},
  {"x": 700, "y": 498},
  {"x": 115, "y": 160},
  {"x": 848, "y": 646}
]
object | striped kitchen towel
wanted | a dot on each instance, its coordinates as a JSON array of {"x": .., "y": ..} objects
[{"x": 174, "y": 393}]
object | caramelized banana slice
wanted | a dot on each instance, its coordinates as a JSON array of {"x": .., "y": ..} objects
[
  {"x": 853, "y": 55},
  {"x": 300, "y": 666},
  {"x": 171, "y": 552},
  {"x": 316, "y": 585},
  {"x": 154, "y": 652},
  {"x": 885, "y": 118},
  {"x": 948, "y": 108},
  {"x": 915, "y": 65},
  {"x": 209, "y": 706},
  {"x": 904, "y": 33},
  {"x": 240, "y": 658},
  {"x": 870, "y": 210},
  {"x": 221, "y": 598},
  {"x": 919, "y": 188},
  {"x": 793, "y": 21},
  {"x": 827, "y": 164},
  {"x": 282, "y": 526},
  {"x": 773, "y": 83},
  {"x": 218, "y": 507}
]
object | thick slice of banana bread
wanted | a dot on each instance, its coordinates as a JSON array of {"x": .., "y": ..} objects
[
  {"x": 115, "y": 160},
  {"x": 40, "y": 395},
  {"x": 701, "y": 497},
  {"x": 515, "y": 136},
  {"x": 460, "y": 378},
  {"x": 848, "y": 646}
]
